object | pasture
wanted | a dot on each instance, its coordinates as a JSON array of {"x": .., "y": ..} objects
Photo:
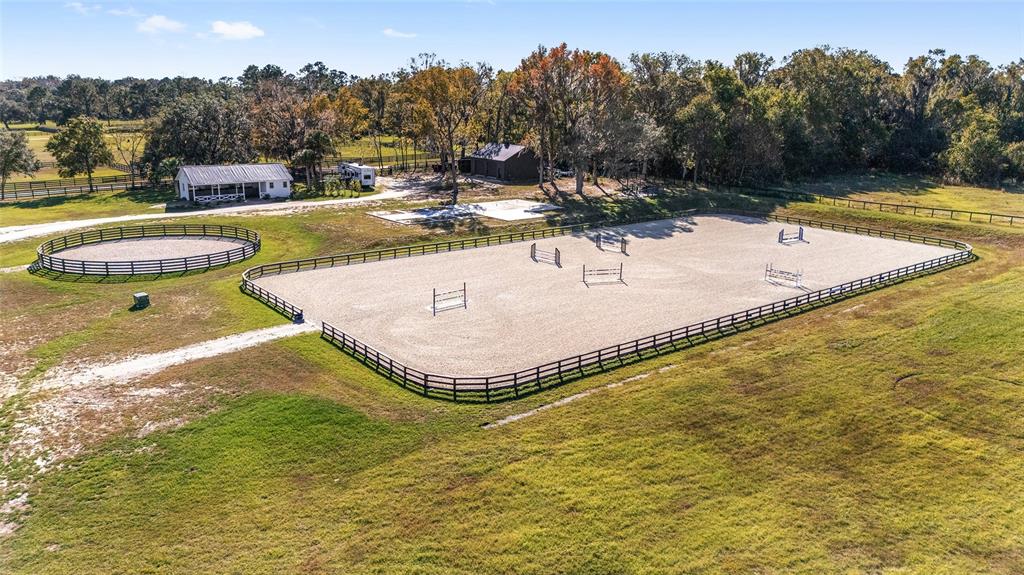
[
  {"x": 918, "y": 191},
  {"x": 881, "y": 434},
  {"x": 37, "y": 140}
]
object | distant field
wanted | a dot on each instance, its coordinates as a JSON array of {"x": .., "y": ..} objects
[
  {"x": 51, "y": 174},
  {"x": 37, "y": 141},
  {"x": 363, "y": 149},
  {"x": 359, "y": 149},
  {"x": 921, "y": 192}
]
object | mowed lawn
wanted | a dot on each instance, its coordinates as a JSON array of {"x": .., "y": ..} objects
[
  {"x": 83, "y": 206},
  {"x": 880, "y": 434}
]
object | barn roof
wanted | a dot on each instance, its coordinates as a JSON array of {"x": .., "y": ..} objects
[
  {"x": 498, "y": 152},
  {"x": 234, "y": 174}
]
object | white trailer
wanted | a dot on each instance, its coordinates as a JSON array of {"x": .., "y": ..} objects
[{"x": 365, "y": 175}]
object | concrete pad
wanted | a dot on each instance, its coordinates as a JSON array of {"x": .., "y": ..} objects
[{"x": 505, "y": 210}]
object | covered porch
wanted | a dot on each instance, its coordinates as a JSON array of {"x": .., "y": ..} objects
[{"x": 225, "y": 192}]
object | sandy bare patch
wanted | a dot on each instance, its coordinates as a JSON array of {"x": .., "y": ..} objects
[
  {"x": 145, "y": 249},
  {"x": 522, "y": 313},
  {"x": 124, "y": 370},
  {"x": 74, "y": 407}
]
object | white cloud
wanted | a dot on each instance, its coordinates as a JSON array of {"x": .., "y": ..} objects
[
  {"x": 82, "y": 8},
  {"x": 129, "y": 12},
  {"x": 236, "y": 30},
  {"x": 392, "y": 33},
  {"x": 158, "y": 23}
]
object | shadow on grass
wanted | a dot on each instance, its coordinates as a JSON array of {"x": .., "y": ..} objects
[
  {"x": 866, "y": 183},
  {"x": 466, "y": 225},
  {"x": 665, "y": 200}
]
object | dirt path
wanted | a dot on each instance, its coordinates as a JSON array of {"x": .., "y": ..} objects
[
  {"x": 571, "y": 398},
  {"x": 144, "y": 365},
  {"x": 14, "y": 233}
]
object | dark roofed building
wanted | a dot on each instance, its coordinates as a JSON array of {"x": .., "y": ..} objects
[{"x": 509, "y": 162}]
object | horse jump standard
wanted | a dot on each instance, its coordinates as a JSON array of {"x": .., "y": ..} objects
[
  {"x": 449, "y": 299},
  {"x": 773, "y": 273},
  {"x": 599, "y": 275},
  {"x": 785, "y": 238},
  {"x": 545, "y": 256},
  {"x": 602, "y": 239}
]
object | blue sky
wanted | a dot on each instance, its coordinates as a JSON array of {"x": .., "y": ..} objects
[{"x": 217, "y": 38}]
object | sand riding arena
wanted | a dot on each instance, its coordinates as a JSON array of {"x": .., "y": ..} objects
[
  {"x": 146, "y": 250},
  {"x": 510, "y": 317}
]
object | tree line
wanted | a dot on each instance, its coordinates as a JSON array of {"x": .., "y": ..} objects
[{"x": 819, "y": 111}]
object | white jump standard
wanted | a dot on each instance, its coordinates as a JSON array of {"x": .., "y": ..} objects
[
  {"x": 446, "y": 300},
  {"x": 602, "y": 275},
  {"x": 603, "y": 239},
  {"x": 773, "y": 275},
  {"x": 545, "y": 256},
  {"x": 785, "y": 238}
]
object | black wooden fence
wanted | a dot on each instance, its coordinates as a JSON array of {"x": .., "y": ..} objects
[
  {"x": 294, "y": 312},
  {"x": 276, "y": 303},
  {"x": 497, "y": 387},
  {"x": 48, "y": 259},
  {"x": 905, "y": 209},
  {"x": 65, "y": 191},
  {"x": 29, "y": 185},
  {"x": 511, "y": 385},
  {"x": 306, "y": 264}
]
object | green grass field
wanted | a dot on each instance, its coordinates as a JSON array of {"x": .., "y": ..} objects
[
  {"x": 882, "y": 434},
  {"x": 52, "y": 174},
  {"x": 913, "y": 190},
  {"x": 358, "y": 149},
  {"x": 37, "y": 141},
  {"x": 85, "y": 206}
]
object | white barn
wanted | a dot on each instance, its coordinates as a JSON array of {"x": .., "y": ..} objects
[
  {"x": 366, "y": 175},
  {"x": 233, "y": 182}
]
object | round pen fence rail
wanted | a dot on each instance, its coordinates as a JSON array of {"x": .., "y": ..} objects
[
  {"x": 48, "y": 257},
  {"x": 515, "y": 384}
]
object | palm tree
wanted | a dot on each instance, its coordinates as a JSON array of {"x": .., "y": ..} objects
[
  {"x": 320, "y": 144},
  {"x": 308, "y": 160}
]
